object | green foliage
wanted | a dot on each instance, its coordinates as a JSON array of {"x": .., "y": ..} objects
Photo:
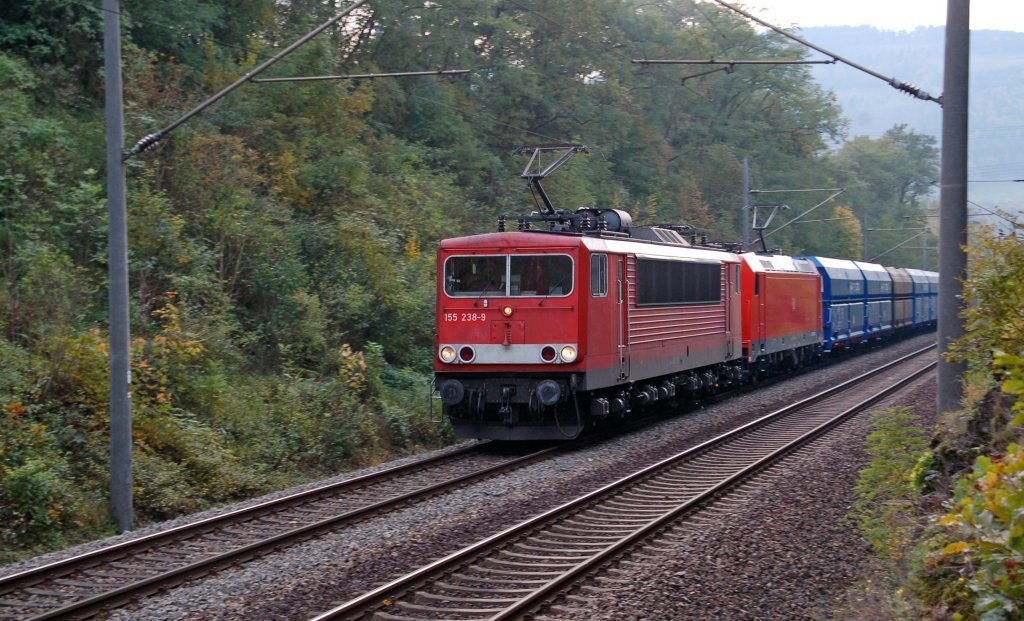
[
  {"x": 897, "y": 170},
  {"x": 33, "y": 497},
  {"x": 889, "y": 179},
  {"x": 987, "y": 528},
  {"x": 994, "y": 299},
  {"x": 39, "y": 502},
  {"x": 61, "y": 31},
  {"x": 184, "y": 467},
  {"x": 977, "y": 559},
  {"x": 887, "y": 489},
  {"x": 1011, "y": 368},
  {"x": 30, "y": 308}
]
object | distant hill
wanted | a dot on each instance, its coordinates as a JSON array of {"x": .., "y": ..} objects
[{"x": 996, "y": 96}]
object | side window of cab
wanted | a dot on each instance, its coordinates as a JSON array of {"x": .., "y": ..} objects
[{"x": 598, "y": 275}]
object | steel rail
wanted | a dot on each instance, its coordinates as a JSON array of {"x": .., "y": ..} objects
[
  {"x": 537, "y": 598},
  {"x": 388, "y": 593},
  {"x": 84, "y": 607}
]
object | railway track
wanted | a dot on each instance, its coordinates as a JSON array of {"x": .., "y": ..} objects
[
  {"x": 524, "y": 568},
  {"x": 81, "y": 586}
]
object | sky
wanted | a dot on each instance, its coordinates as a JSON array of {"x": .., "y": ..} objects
[{"x": 886, "y": 14}]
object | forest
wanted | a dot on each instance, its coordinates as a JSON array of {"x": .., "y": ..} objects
[{"x": 281, "y": 243}]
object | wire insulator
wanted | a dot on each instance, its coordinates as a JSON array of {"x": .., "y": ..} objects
[
  {"x": 146, "y": 142},
  {"x": 910, "y": 89}
]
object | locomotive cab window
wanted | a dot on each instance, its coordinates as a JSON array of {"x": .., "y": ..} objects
[
  {"x": 540, "y": 275},
  {"x": 476, "y": 276},
  {"x": 504, "y": 275},
  {"x": 598, "y": 275}
]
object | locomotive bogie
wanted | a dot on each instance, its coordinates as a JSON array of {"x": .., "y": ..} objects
[{"x": 559, "y": 408}]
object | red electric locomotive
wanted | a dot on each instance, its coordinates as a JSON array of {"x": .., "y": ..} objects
[
  {"x": 543, "y": 334},
  {"x": 781, "y": 312}
]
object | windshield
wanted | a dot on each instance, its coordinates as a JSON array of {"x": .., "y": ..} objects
[
  {"x": 503, "y": 275},
  {"x": 544, "y": 274},
  {"x": 468, "y": 276}
]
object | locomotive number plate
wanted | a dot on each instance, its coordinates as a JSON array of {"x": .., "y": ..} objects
[{"x": 457, "y": 317}]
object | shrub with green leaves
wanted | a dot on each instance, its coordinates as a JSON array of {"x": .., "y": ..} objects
[
  {"x": 982, "y": 561},
  {"x": 33, "y": 499},
  {"x": 1011, "y": 367},
  {"x": 887, "y": 489},
  {"x": 994, "y": 292},
  {"x": 982, "y": 547},
  {"x": 987, "y": 522}
]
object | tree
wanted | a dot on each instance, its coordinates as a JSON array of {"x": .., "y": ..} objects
[{"x": 890, "y": 178}]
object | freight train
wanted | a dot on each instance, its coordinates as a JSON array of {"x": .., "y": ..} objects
[{"x": 544, "y": 334}]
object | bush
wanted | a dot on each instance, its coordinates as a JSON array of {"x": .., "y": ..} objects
[
  {"x": 994, "y": 313},
  {"x": 40, "y": 506},
  {"x": 33, "y": 501},
  {"x": 977, "y": 567},
  {"x": 987, "y": 523},
  {"x": 978, "y": 564},
  {"x": 888, "y": 489}
]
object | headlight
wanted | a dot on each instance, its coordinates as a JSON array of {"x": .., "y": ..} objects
[
  {"x": 568, "y": 353},
  {"x": 446, "y": 354}
]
